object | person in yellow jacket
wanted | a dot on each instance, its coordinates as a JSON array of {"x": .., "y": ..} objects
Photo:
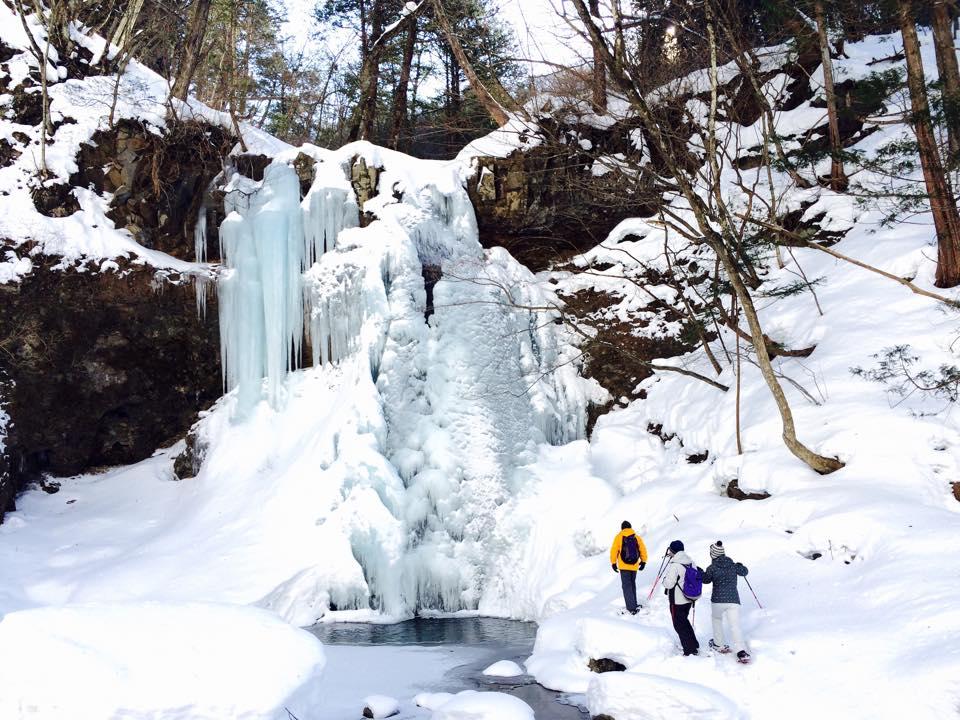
[{"x": 628, "y": 555}]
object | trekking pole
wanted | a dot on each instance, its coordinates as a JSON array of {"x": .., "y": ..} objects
[
  {"x": 657, "y": 579},
  {"x": 754, "y": 594}
]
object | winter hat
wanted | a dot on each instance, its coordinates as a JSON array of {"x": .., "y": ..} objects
[
  {"x": 676, "y": 546},
  {"x": 625, "y": 525},
  {"x": 716, "y": 550}
]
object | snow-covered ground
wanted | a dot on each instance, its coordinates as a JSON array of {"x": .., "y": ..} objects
[{"x": 441, "y": 463}]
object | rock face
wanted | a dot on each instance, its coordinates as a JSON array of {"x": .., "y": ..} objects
[
  {"x": 545, "y": 204},
  {"x": 102, "y": 368},
  {"x": 158, "y": 181}
]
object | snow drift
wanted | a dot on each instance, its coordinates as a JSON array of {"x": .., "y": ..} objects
[{"x": 150, "y": 661}]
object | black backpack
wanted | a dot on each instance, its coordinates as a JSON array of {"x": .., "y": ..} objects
[{"x": 630, "y": 550}]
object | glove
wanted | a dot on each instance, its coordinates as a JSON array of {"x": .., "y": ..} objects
[
  {"x": 614, "y": 566},
  {"x": 642, "y": 565}
]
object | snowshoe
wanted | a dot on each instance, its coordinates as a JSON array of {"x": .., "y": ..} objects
[
  {"x": 743, "y": 657},
  {"x": 722, "y": 649}
]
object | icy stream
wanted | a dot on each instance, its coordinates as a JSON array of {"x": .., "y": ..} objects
[
  {"x": 443, "y": 408},
  {"x": 431, "y": 655}
]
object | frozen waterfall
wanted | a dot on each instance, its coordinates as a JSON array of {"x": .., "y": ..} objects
[{"x": 442, "y": 411}]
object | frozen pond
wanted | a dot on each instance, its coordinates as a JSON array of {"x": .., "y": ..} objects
[{"x": 428, "y": 655}]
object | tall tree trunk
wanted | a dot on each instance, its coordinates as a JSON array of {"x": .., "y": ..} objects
[
  {"x": 245, "y": 69},
  {"x": 495, "y": 100},
  {"x": 946, "y": 220},
  {"x": 599, "y": 85},
  {"x": 363, "y": 117},
  {"x": 369, "y": 113},
  {"x": 455, "y": 96},
  {"x": 949, "y": 72},
  {"x": 193, "y": 45},
  {"x": 838, "y": 179},
  {"x": 399, "y": 123}
]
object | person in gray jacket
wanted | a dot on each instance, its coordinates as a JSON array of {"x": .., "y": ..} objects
[
  {"x": 680, "y": 604},
  {"x": 723, "y": 573}
]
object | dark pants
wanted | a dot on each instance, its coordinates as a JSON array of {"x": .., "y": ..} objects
[
  {"x": 681, "y": 623},
  {"x": 628, "y": 579}
]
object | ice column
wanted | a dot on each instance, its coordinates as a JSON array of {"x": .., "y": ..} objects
[
  {"x": 260, "y": 290},
  {"x": 329, "y": 209}
]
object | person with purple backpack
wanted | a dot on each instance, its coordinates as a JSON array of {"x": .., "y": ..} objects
[{"x": 683, "y": 584}]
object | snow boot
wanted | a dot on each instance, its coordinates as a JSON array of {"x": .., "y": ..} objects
[
  {"x": 722, "y": 649},
  {"x": 743, "y": 657}
]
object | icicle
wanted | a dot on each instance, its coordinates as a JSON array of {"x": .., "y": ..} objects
[
  {"x": 200, "y": 236},
  {"x": 200, "y": 283}
]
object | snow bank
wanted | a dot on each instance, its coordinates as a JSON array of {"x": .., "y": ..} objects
[
  {"x": 636, "y": 696},
  {"x": 432, "y": 701},
  {"x": 473, "y": 705},
  {"x": 153, "y": 661}
]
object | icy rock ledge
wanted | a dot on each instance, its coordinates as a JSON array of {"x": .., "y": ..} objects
[{"x": 154, "y": 661}]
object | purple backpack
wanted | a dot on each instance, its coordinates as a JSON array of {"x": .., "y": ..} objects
[{"x": 692, "y": 583}]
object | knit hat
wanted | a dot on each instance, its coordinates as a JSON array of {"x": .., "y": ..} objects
[
  {"x": 625, "y": 525},
  {"x": 676, "y": 546},
  {"x": 716, "y": 550}
]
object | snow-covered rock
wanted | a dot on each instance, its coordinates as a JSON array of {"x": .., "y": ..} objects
[
  {"x": 380, "y": 706},
  {"x": 503, "y": 668},
  {"x": 153, "y": 661}
]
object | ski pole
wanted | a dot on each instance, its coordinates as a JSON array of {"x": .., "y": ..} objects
[
  {"x": 657, "y": 579},
  {"x": 754, "y": 594}
]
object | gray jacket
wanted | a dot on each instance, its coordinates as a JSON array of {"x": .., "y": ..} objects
[{"x": 723, "y": 574}]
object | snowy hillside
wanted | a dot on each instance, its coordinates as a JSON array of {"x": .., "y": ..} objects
[{"x": 434, "y": 454}]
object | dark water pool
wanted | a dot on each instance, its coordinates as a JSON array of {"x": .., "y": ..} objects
[
  {"x": 497, "y": 639},
  {"x": 430, "y": 631}
]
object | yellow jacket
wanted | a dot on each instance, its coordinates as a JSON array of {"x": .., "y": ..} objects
[{"x": 615, "y": 550}]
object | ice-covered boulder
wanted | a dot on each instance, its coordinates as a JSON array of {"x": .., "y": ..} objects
[{"x": 153, "y": 661}]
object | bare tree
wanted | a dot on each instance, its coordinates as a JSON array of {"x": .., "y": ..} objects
[{"x": 713, "y": 223}]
